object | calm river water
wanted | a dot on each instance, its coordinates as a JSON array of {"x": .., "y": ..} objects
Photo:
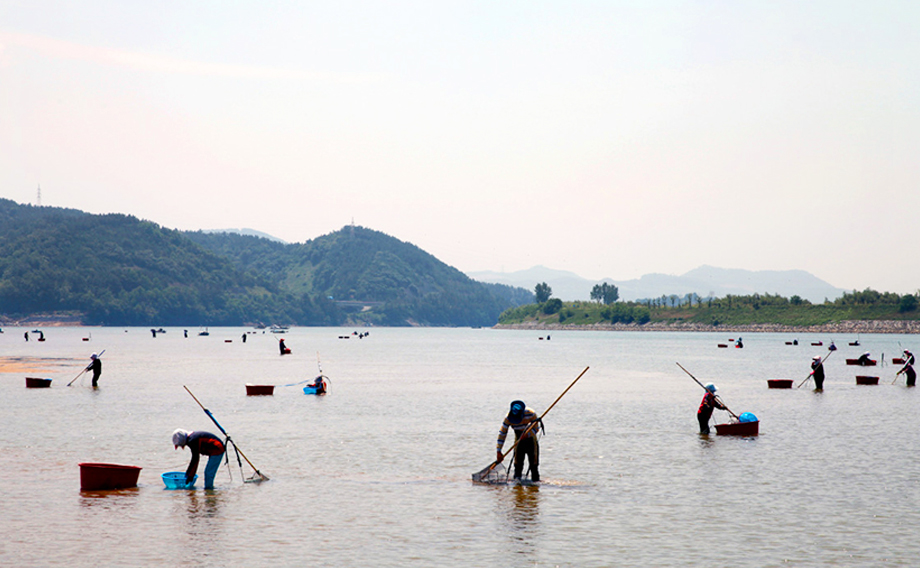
[{"x": 377, "y": 473}]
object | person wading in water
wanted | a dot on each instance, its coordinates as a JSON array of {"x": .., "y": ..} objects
[
  {"x": 96, "y": 367},
  {"x": 817, "y": 372},
  {"x": 519, "y": 418},
  {"x": 200, "y": 443},
  {"x": 908, "y": 368},
  {"x": 710, "y": 401}
]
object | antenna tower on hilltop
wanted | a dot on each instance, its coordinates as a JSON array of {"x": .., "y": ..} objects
[{"x": 38, "y": 198}]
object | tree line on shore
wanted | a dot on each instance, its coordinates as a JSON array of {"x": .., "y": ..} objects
[{"x": 728, "y": 310}]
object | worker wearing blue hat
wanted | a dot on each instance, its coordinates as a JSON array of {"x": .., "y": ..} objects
[{"x": 525, "y": 424}]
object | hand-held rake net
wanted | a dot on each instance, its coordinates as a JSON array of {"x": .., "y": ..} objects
[{"x": 495, "y": 474}]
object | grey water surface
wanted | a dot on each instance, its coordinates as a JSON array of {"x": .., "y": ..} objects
[{"x": 377, "y": 473}]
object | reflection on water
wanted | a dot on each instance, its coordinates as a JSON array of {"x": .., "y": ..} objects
[
  {"x": 109, "y": 500},
  {"x": 203, "y": 505},
  {"x": 200, "y": 514},
  {"x": 520, "y": 507}
]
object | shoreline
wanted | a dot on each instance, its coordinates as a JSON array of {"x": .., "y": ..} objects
[{"x": 851, "y": 326}]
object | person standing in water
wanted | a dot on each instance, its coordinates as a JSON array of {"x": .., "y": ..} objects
[
  {"x": 95, "y": 366},
  {"x": 710, "y": 401},
  {"x": 200, "y": 443},
  {"x": 817, "y": 372},
  {"x": 908, "y": 369},
  {"x": 320, "y": 385},
  {"x": 519, "y": 418}
]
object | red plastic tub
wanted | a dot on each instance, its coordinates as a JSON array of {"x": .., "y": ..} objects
[
  {"x": 738, "y": 429},
  {"x": 863, "y": 380},
  {"x": 779, "y": 383},
  {"x": 36, "y": 383},
  {"x": 100, "y": 476},
  {"x": 259, "y": 390}
]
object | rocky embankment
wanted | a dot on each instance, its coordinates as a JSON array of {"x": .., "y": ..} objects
[{"x": 842, "y": 327}]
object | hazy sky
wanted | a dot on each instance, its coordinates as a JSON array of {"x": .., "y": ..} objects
[{"x": 612, "y": 139}]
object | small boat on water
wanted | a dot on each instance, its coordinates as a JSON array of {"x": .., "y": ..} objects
[
  {"x": 722, "y": 346},
  {"x": 817, "y": 343},
  {"x": 864, "y": 380},
  {"x": 868, "y": 363},
  {"x": 279, "y": 329}
]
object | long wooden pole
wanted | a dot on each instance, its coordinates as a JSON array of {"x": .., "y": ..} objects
[
  {"x": 707, "y": 390},
  {"x": 211, "y": 416},
  {"x": 479, "y": 475}
]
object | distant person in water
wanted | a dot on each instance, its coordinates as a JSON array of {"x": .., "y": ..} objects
[
  {"x": 710, "y": 401},
  {"x": 320, "y": 385},
  {"x": 908, "y": 368},
  {"x": 817, "y": 372},
  {"x": 200, "y": 443},
  {"x": 738, "y": 343},
  {"x": 95, "y": 365},
  {"x": 864, "y": 359},
  {"x": 244, "y": 338},
  {"x": 26, "y": 334},
  {"x": 519, "y": 419},
  {"x": 284, "y": 349}
]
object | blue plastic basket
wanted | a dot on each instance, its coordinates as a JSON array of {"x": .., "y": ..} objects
[
  {"x": 747, "y": 417},
  {"x": 176, "y": 480}
]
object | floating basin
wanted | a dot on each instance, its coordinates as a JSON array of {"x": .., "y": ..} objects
[
  {"x": 101, "y": 476},
  {"x": 864, "y": 380},
  {"x": 779, "y": 383},
  {"x": 37, "y": 383},
  {"x": 738, "y": 429},
  {"x": 259, "y": 390}
]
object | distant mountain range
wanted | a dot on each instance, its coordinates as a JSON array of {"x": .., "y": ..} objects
[{"x": 704, "y": 281}]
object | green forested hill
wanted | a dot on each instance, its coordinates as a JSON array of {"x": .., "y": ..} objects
[
  {"x": 119, "y": 270},
  {"x": 358, "y": 267}
]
